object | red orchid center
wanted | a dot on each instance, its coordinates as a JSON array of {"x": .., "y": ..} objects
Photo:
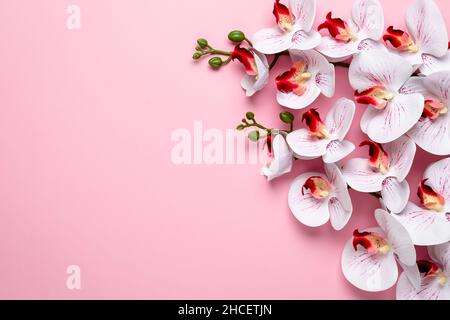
[
  {"x": 431, "y": 269},
  {"x": 247, "y": 59},
  {"x": 315, "y": 125},
  {"x": 337, "y": 28},
  {"x": 400, "y": 40},
  {"x": 377, "y": 96},
  {"x": 371, "y": 241},
  {"x": 379, "y": 159},
  {"x": 294, "y": 80},
  {"x": 429, "y": 198},
  {"x": 434, "y": 109},
  {"x": 318, "y": 186},
  {"x": 283, "y": 16}
]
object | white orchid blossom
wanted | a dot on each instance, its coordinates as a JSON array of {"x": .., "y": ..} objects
[
  {"x": 426, "y": 37},
  {"x": 369, "y": 258},
  {"x": 377, "y": 77},
  {"x": 256, "y": 68},
  {"x": 434, "y": 277},
  {"x": 325, "y": 140},
  {"x": 280, "y": 157},
  {"x": 293, "y": 30},
  {"x": 429, "y": 224},
  {"x": 385, "y": 171},
  {"x": 316, "y": 198},
  {"x": 310, "y": 75},
  {"x": 362, "y": 32},
  {"x": 432, "y": 132}
]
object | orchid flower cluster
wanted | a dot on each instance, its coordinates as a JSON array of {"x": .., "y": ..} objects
[{"x": 402, "y": 79}]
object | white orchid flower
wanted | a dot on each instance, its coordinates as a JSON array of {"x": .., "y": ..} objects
[
  {"x": 432, "y": 132},
  {"x": 362, "y": 32},
  {"x": 426, "y": 36},
  {"x": 385, "y": 171},
  {"x": 256, "y": 68},
  {"x": 293, "y": 31},
  {"x": 430, "y": 224},
  {"x": 377, "y": 76},
  {"x": 325, "y": 140},
  {"x": 369, "y": 258},
  {"x": 310, "y": 75},
  {"x": 280, "y": 157},
  {"x": 316, "y": 198},
  {"x": 434, "y": 277}
]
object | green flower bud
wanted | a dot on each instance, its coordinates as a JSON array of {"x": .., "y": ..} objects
[
  {"x": 287, "y": 117},
  {"x": 240, "y": 127},
  {"x": 236, "y": 36},
  {"x": 250, "y": 115},
  {"x": 254, "y": 136},
  {"x": 215, "y": 62},
  {"x": 203, "y": 43},
  {"x": 196, "y": 56}
]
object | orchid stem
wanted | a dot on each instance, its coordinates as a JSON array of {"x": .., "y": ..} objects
[
  {"x": 221, "y": 52},
  {"x": 276, "y": 58},
  {"x": 249, "y": 42}
]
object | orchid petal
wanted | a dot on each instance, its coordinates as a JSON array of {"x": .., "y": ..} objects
[
  {"x": 361, "y": 177},
  {"x": 426, "y": 24},
  {"x": 439, "y": 85},
  {"x": 432, "y": 136},
  {"x": 296, "y": 102},
  {"x": 414, "y": 85},
  {"x": 337, "y": 179},
  {"x": 369, "y": 18},
  {"x": 304, "y": 12},
  {"x": 367, "y": 272},
  {"x": 401, "y": 153},
  {"x": 340, "y": 204},
  {"x": 272, "y": 40},
  {"x": 306, "y": 145},
  {"x": 367, "y": 116},
  {"x": 252, "y": 85},
  {"x": 425, "y": 227},
  {"x": 432, "y": 64},
  {"x": 438, "y": 177},
  {"x": 338, "y": 150},
  {"x": 429, "y": 289},
  {"x": 395, "y": 194},
  {"x": 397, "y": 236},
  {"x": 308, "y": 210},
  {"x": 282, "y": 161},
  {"x": 414, "y": 58},
  {"x": 399, "y": 116},
  {"x": 441, "y": 254},
  {"x": 378, "y": 67},
  {"x": 339, "y": 118},
  {"x": 412, "y": 273},
  {"x": 302, "y": 40},
  {"x": 337, "y": 50}
]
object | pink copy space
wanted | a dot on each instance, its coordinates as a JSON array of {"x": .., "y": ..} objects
[{"x": 86, "y": 176}]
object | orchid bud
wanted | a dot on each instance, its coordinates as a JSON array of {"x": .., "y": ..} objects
[
  {"x": 236, "y": 36},
  {"x": 215, "y": 63},
  {"x": 203, "y": 43},
  {"x": 240, "y": 127},
  {"x": 250, "y": 115},
  {"x": 196, "y": 56},
  {"x": 287, "y": 117},
  {"x": 254, "y": 136}
]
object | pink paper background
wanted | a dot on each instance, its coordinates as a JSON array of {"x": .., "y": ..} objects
[{"x": 85, "y": 171}]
